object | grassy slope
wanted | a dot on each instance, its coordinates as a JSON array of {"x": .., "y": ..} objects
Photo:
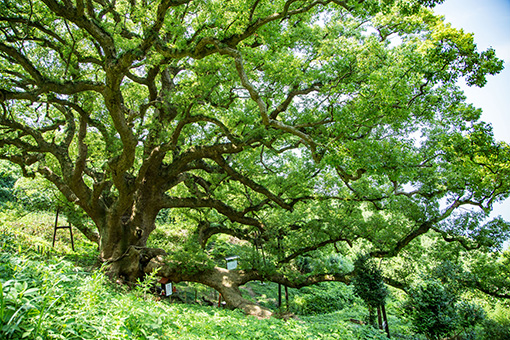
[{"x": 53, "y": 293}]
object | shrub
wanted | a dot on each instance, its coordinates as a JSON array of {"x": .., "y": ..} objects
[
  {"x": 469, "y": 314},
  {"x": 322, "y": 298},
  {"x": 8, "y": 178},
  {"x": 497, "y": 324},
  {"x": 435, "y": 310},
  {"x": 431, "y": 308},
  {"x": 494, "y": 330},
  {"x": 6, "y": 188}
]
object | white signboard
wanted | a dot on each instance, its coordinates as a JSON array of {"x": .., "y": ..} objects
[
  {"x": 168, "y": 289},
  {"x": 232, "y": 262}
]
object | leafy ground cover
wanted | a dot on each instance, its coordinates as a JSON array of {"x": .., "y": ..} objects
[
  {"x": 51, "y": 293},
  {"x": 54, "y": 293},
  {"x": 54, "y": 299}
]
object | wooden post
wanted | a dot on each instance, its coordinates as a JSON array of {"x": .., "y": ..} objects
[
  {"x": 55, "y": 228},
  {"x": 71, "y": 232},
  {"x": 279, "y": 285},
  {"x": 287, "y": 298},
  {"x": 279, "y": 295},
  {"x": 386, "y": 327},
  {"x": 379, "y": 317}
]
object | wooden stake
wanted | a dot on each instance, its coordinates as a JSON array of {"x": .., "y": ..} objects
[
  {"x": 287, "y": 298},
  {"x": 379, "y": 317},
  {"x": 386, "y": 327},
  {"x": 279, "y": 295}
]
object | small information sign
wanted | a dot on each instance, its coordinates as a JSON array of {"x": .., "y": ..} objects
[{"x": 231, "y": 262}]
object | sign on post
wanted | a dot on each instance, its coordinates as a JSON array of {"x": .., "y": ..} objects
[{"x": 231, "y": 262}]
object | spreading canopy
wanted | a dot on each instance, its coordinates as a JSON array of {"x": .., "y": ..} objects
[{"x": 290, "y": 125}]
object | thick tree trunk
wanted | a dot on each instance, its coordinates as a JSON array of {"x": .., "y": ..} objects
[
  {"x": 115, "y": 239},
  {"x": 121, "y": 230},
  {"x": 123, "y": 247}
]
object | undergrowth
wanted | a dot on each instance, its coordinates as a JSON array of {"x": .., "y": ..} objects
[
  {"x": 54, "y": 299},
  {"x": 54, "y": 293}
]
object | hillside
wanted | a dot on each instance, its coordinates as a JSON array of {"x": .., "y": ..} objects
[{"x": 55, "y": 293}]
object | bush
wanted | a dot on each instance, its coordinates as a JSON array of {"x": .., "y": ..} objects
[
  {"x": 370, "y": 333},
  {"x": 8, "y": 177},
  {"x": 494, "y": 330},
  {"x": 6, "y": 188},
  {"x": 431, "y": 308},
  {"x": 469, "y": 314},
  {"x": 322, "y": 298},
  {"x": 435, "y": 310}
]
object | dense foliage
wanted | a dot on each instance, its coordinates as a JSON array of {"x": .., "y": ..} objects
[
  {"x": 44, "y": 294},
  {"x": 7, "y": 180},
  {"x": 436, "y": 311},
  {"x": 303, "y": 131}
]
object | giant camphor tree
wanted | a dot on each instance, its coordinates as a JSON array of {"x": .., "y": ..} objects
[{"x": 288, "y": 125}]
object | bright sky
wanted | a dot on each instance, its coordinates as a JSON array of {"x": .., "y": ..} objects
[{"x": 489, "y": 20}]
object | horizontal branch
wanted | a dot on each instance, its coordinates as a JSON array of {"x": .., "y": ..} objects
[
  {"x": 422, "y": 229},
  {"x": 251, "y": 184},
  {"x": 224, "y": 209},
  {"x": 304, "y": 250}
]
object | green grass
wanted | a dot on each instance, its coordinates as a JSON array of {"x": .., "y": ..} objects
[
  {"x": 54, "y": 299},
  {"x": 55, "y": 293}
]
